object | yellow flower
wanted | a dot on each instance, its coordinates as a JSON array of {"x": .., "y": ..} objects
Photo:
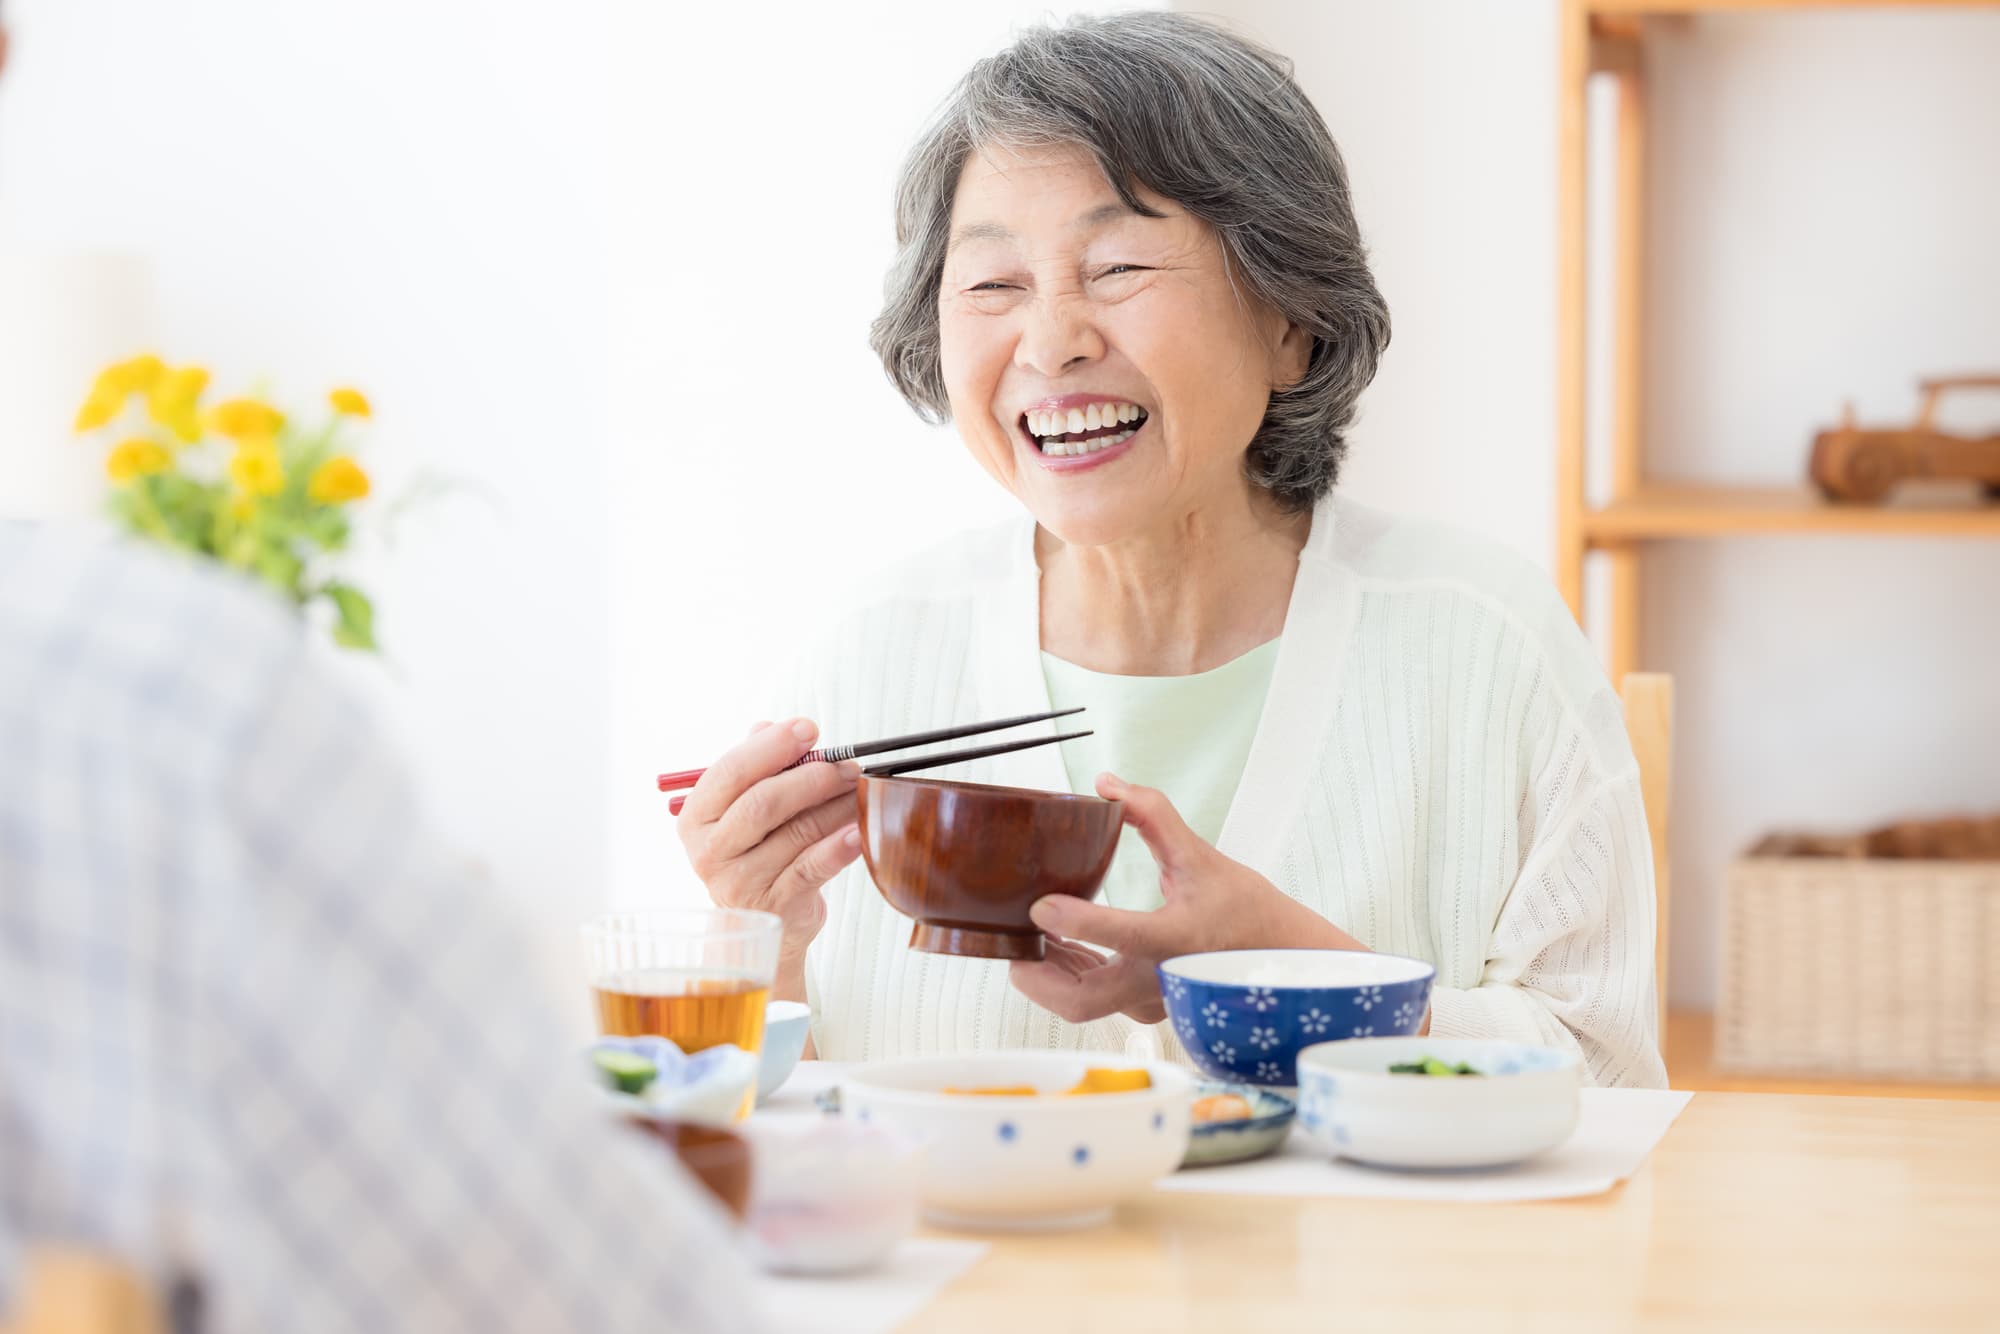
[
  {"x": 98, "y": 410},
  {"x": 350, "y": 403},
  {"x": 174, "y": 399},
  {"x": 139, "y": 374},
  {"x": 137, "y": 457},
  {"x": 256, "y": 470},
  {"x": 113, "y": 386},
  {"x": 244, "y": 419},
  {"x": 339, "y": 479}
]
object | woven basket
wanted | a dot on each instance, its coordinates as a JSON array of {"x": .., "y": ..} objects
[{"x": 1860, "y": 967}]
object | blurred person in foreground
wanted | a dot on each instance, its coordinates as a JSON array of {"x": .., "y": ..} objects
[{"x": 261, "y": 1041}]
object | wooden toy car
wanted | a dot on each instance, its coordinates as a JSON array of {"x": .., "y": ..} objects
[{"x": 1849, "y": 463}]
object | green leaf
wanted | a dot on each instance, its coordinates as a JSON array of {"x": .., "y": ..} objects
[
  {"x": 355, "y": 627},
  {"x": 281, "y": 570},
  {"x": 328, "y": 528}
]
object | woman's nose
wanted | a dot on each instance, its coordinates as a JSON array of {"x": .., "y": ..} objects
[{"x": 1059, "y": 335}]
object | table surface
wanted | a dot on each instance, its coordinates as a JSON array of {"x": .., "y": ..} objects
[{"x": 1757, "y": 1211}]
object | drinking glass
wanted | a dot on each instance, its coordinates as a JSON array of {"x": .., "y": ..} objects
[{"x": 699, "y": 977}]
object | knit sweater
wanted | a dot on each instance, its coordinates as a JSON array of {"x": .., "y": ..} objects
[{"x": 1441, "y": 769}]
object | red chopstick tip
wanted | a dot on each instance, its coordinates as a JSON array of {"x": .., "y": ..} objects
[{"x": 663, "y": 781}]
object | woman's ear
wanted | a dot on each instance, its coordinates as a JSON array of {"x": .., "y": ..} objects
[{"x": 1292, "y": 357}]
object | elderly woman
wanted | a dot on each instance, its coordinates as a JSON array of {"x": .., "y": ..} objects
[{"x": 1129, "y": 274}]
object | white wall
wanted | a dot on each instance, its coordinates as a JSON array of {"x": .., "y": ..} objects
[
  {"x": 408, "y": 197},
  {"x": 1824, "y": 219}
]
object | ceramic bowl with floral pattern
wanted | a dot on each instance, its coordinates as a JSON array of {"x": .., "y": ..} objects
[{"x": 1245, "y": 1015}]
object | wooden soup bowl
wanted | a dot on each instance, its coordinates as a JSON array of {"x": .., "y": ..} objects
[
  {"x": 967, "y": 859},
  {"x": 718, "y": 1158}
]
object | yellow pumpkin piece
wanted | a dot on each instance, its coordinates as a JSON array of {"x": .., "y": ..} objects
[
  {"x": 1005, "y": 1091},
  {"x": 1221, "y": 1107},
  {"x": 1099, "y": 1080}
]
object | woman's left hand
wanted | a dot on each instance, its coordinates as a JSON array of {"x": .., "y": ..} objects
[{"x": 1212, "y": 903}]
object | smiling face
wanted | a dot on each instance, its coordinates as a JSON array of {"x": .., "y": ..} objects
[{"x": 1101, "y": 365}]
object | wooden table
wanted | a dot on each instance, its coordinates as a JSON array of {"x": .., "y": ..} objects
[{"x": 1757, "y": 1212}]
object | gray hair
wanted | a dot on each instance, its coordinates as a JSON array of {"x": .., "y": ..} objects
[{"x": 1208, "y": 120}]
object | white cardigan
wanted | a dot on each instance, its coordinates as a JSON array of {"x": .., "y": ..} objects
[{"x": 1441, "y": 769}]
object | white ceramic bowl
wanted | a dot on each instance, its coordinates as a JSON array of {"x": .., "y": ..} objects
[
  {"x": 828, "y": 1196},
  {"x": 1021, "y": 1161},
  {"x": 786, "y": 1026},
  {"x": 1523, "y": 1101}
]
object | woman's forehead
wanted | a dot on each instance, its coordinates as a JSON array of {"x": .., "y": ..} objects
[{"x": 1004, "y": 191}]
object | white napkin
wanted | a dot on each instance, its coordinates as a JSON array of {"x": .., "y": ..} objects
[
  {"x": 1615, "y": 1130},
  {"x": 875, "y": 1302}
]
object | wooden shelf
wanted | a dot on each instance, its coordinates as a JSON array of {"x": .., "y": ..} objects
[
  {"x": 1663, "y": 510},
  {"x": 1646, "y": 7}
]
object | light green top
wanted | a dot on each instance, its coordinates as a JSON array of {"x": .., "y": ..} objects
[{"x": 1188, "y": 736}]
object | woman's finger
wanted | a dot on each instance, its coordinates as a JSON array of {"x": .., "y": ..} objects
[
  {"x": 768, "y": 860},
  {"x": 1074, "y": 959},
  {"x": 766, "y": 751},
  {"x": 772, "y": 802},
  {"x": 817, "y": 864},
  {"x": 1082, "y": 997},
  {"x": 1148, "y": 810},
  {"x": 1113, "y": 929}
]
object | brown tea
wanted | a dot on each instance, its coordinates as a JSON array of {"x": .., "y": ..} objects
[{"x": 695, "y": 1012}]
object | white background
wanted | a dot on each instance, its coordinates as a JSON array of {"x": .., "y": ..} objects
[{"x": 614, "y": 263}]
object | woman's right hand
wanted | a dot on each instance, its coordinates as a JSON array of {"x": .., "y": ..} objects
[{"x": 767, "y": 837}]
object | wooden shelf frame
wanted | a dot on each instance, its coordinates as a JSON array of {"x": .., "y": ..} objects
[
  {"x": 1623, "y": 8},
  {"x": 1607, "y": 38},
  {"x": 1660, "y": 511}
]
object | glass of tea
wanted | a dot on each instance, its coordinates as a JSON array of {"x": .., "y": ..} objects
[{"x": 699, "y": 977}]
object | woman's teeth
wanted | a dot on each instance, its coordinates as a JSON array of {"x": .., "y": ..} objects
[
  {"x": 1085, "y": 430},
  {"x": 1063, "y": 448}
]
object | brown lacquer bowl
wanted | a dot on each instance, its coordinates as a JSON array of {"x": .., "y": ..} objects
[
  {"x": 967, "y": 859},
  {"x": 718, "y": 1158}
]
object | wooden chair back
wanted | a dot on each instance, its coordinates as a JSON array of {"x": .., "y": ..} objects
[
  {"x": 68, "y": 1291},
  {"x": 1649, "y": 719}
]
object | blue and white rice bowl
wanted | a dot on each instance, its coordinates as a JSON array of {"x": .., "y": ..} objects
[
  {"x": 1245, "y": 1015},
  {"x": 1522, "y": 1102},
  {"x": 1026, "y": 1162}
]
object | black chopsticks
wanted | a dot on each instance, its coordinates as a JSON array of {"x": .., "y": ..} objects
[{"x": 687, "y": 778}]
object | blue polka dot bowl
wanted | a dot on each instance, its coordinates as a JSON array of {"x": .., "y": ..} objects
[
  {"x": 1024, "y": 1160},
  {"x": 1245, "y": 1015},
  {"x": 1521, "y": 1100}
]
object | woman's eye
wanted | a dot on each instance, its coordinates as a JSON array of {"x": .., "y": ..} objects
[
  {"x": 990, "y": 287},
  {"x": 1116, "y": 270}
]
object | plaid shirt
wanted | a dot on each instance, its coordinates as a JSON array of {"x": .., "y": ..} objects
[{"x": 256, "y": 1028}]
